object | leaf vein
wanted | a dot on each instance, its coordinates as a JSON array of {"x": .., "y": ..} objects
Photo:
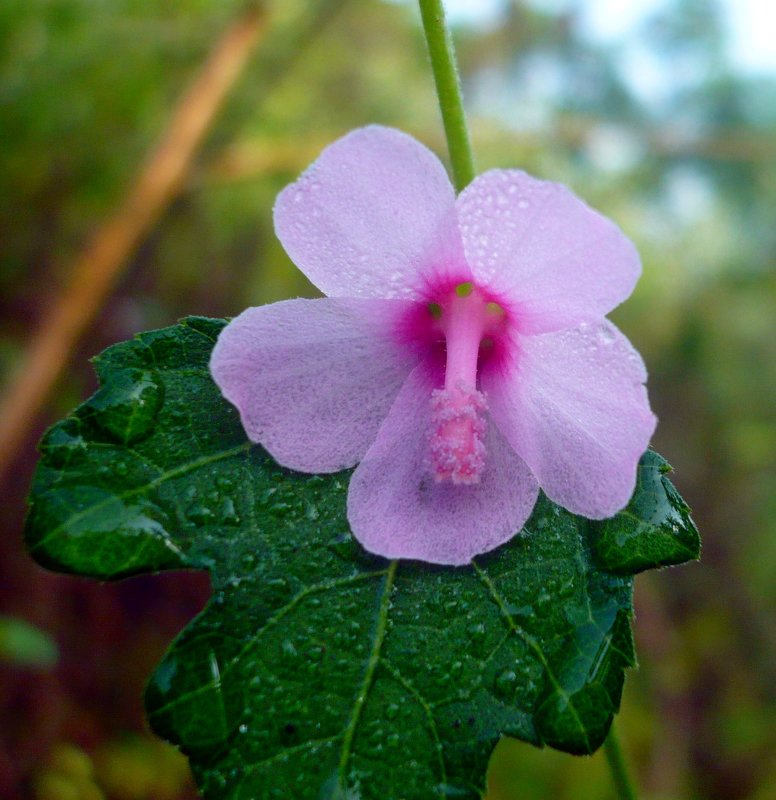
[
  {"x": 176, "y": 472},
  {"x": 369, "y": 672},
  {"x": 427, "y": 710},
  {"x": 501, "y": 603}
]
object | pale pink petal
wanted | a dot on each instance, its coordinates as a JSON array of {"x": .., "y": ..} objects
[
  {"x": 313, "y": 379},
  {"x": 556, "y": 260},
  {"x": 372, "y": 216},
  {"x": 397, "y": 510},
  {"x": 574, "y": 406}
]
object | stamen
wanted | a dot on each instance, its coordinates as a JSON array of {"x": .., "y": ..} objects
[
  {"x": 471, "y": 322},
  {"x": 457, "y": 431},
  {"x": 435, "y": 310}
]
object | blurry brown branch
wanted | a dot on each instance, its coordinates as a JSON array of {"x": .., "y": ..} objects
[
  {"x": 99, "y": 265},
  {"x": 248, "y": 160}
]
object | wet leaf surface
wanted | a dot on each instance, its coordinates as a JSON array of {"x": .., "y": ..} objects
[
  {"x": 654, "y": 530},
  {"x": 317, "y": 670}
]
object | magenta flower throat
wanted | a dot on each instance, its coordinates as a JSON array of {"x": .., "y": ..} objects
[{"x": 461, "y": 357}]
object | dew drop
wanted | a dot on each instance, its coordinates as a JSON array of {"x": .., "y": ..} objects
[
  {"x": 523, "y": 612},
  {"x": 450, "y": 790},
  {"x": 140, "y": 524},
  {"x": 224, "y": 483},
  {"x": 228, "y": 513},
  {"x": 606, "y": 335},
  {"x": 477, "y": 632},
  {"x": 316, "y": 653},
  {"x": 63, "y": 443},
  {"x": 127, "y": 407},
  {"x": 345, "y": 547},
  {"x": 505, "y": 683},
  {"x": 178, "y": 413},
  {"x": 200, "y": 514},
  {"x": 289, "y": 649},
  {"x": 443, "y": 679},
  {"x": 277, "y": 590}
]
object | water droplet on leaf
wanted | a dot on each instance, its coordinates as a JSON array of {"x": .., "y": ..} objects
[
  {"x": 505, "y": 683},
  {"x": 200, "y": 514},
  {"x": 126, "y": 408},
  {"x": 228, "y": 514}
]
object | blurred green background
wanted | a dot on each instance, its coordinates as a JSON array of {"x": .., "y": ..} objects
[{"x": 665, "y": 121}]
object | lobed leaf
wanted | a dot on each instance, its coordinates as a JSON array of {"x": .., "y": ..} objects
[{"x": 317, "y": 670}]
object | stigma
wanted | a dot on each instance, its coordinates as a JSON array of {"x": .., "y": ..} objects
[
  {"x": 457, "y": 431},
  {"x": 469, "y": 321}
]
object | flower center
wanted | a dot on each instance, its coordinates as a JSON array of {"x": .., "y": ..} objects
[{"x": 468, "y": 321}]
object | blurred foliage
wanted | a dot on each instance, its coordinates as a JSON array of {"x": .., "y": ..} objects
[
  {"x": 22, "y": 643},
  {"x": 686, "y": 163},
  {"x": 129, "y": 768}
]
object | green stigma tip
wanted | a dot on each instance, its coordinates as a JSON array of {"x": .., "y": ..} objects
[
  {"x": 464, "y": 289},
  {"x": 435, "y": 310}
]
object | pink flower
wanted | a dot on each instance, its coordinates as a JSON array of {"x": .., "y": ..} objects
[{"x": 461, "y": 357}]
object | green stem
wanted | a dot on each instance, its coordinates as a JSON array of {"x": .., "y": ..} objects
[
  {"x": 620, "y": 777},
  {"x": 440, "y": 50}
]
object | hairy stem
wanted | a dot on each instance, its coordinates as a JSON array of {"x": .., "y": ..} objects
[
  {"x": 617, "y": 768},
  {"x": 448, "y": 86}
]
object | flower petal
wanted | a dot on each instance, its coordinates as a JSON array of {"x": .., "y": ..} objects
[
  {"x": 574, "y": 406},
  {"x": 313, "y": 379},
  {"x": 373, "y": 214},
  {"x": 536, "y": 243},
  {"x": 397, "y": 510}
]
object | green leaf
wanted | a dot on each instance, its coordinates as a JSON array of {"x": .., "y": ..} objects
[
  {"x": 654, "y": 530},
  {"x": 317, "y": 670}
]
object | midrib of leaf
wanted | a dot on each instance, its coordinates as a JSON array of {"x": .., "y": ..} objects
[{"x": 369, "y": 672}]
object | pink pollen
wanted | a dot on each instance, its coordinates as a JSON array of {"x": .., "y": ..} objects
[{"x": 457, "y": 430}]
